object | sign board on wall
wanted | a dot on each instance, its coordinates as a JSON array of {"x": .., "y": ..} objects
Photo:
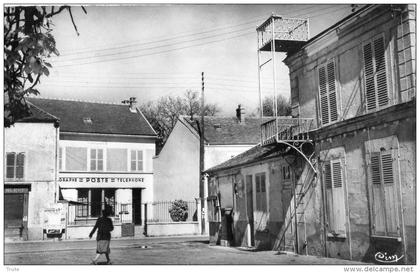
[
  {"x": 54, "y": 219},
  {"x": 104, "y": 180},
  {"x": 101, "y": 179}
]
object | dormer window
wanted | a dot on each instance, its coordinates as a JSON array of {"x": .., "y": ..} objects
[{"x": 87, "y": 121}]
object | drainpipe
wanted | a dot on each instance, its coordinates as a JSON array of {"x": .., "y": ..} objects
[
  {"x": 323, "y": 211},
  {"x": 57, "y": 134}
]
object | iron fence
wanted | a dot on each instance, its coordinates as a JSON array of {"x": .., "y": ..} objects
[
  {"x": 121, "y": 213},
  {"x": 159, "y": 211}
]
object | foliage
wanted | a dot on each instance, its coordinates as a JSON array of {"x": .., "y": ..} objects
[
  {"x": 28, "y": 43},
  {"x": 163, "y": 113},
  {"x": 284, "y": 107},
  {"x": 179, "y": 211}
]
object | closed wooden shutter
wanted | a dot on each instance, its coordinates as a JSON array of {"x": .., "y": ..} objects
[
  {"x": 329, "y": 194},
  {"x": 334, "y": 181},
  {"x": 10, "y": 165},
  {"x": 20, "y": 162},
  {"x": 328, "y": 93},
  {"x": 380, "y": 67},
  {"x": 376, "y": 86},
  {"x": 378, "y": 206},
  {"x": 338, "y": 198},
  {"x": 385, "y": 201},
  {"x": 323, "y": 95},
  {"x": 332, "y": 91},
  {"x": 390, "y": 194}
]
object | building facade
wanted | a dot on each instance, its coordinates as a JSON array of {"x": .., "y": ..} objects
[
  {"x": 30, "y": 174},
  {"x": 105, "y": 162},
  {"x": 177, "y": 167},
  {"x": 352, "y": 189}
]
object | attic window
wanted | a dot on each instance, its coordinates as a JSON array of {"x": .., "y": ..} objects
[
  {"x": 87, "y": 121},
  {"x": 217, "y": 126}
]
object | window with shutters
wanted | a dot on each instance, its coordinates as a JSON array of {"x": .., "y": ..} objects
[
  {"x": 137, "y": 160},
  {"x": 96, "y": 159},
  {"x": 260, "y": 192},
  {"x": 384, "y": 194},
  {"x": 334, "y": 186},
  {"x": 15, "y": 163},
  {"x": 328, "y": 93},
  {"x": 376, "y": 86}
]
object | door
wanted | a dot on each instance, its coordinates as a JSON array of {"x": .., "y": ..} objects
[
  {"x": 250, "y": 209},
  {"x": 136, "y": 206},
  {"x": 13, "y": 210}
]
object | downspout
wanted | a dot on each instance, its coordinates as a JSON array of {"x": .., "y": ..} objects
[
  {"x": 57, "y": 134},
  {"x": 324, "y": 212}
]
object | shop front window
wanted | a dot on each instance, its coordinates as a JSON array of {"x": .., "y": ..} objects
[{"x": 94, "y": 201}]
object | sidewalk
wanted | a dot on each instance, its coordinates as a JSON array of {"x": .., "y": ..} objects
[
  {"x": 88, "y": 244},
  {"x": 191, "y": 250}
]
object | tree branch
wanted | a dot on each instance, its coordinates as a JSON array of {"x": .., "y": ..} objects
[
  {"x": 35, "y": 83},
  {"x": 72, "y": 20},
  {"x": 52, "y": 13}
]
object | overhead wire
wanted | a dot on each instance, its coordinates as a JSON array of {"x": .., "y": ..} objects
[{"x": 154, "y": 53}]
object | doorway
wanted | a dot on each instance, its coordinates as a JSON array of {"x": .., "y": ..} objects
[
  {"x": 15, "y": 214},
  {"x": 250, "y": 209},
  {"x": 136, "y": 197}
]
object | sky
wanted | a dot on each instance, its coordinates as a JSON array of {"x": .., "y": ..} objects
[{"x": 152, "y": 50}]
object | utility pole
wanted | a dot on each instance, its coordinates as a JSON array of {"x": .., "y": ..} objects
[{"x": 201, "y": 192}]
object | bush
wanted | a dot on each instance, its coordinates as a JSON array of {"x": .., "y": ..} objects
[{"x": 179, "y": 211}]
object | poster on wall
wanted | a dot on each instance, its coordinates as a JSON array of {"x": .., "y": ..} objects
[{"x": 54, "y": 219}]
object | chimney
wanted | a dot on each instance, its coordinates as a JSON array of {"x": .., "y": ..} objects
[
  {"x": 133, "y": 104},
  {"x": 240, "y": 114}
]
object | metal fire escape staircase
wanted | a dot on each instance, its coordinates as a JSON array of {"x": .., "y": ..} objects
[{"x": 279, "y": 34}]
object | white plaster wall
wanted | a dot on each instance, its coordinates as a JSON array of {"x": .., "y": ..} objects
[
  {"x": 177, "y": 166},
  {"x": 216, "y": 154},
  {"x": 38, "y": 142}
]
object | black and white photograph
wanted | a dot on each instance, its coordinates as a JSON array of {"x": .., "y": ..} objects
[{"x": 199, "y": 133}]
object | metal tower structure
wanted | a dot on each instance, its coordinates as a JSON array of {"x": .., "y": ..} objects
[{"x": 279, "y": 34}]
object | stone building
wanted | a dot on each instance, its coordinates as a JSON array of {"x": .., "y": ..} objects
[
  {"x": 177, "y": 167},
  {"x": 338, "y": 179},
  {"x": 30, "y": 174},
  {"x": 104, "y": 160}
]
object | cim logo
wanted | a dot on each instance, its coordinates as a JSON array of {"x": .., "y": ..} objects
[{"x": 384, "y": 257}]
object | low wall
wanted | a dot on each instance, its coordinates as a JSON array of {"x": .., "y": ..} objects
[
  {"x": 82, "y": 232},
  {"x": 172, "y": 228}
]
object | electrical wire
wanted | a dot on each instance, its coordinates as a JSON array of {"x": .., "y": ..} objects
[{"x": 152, "y": 48}]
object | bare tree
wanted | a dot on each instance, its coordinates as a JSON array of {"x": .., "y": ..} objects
[
  {"x": 284, "y": 107},
  {"x": 163, "y": 113}
]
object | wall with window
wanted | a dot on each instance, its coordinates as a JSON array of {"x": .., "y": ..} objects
[
  {"x": 82, "y": 156},
  {"x": 29, "y": 157},
  {"x": 360, "y": 67},
  {"x": 372, "y": 174}
]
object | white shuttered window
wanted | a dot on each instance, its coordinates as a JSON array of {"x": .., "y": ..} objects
[
  {"x": 376, "y": 86},
  {"x": 334, "y": 180},
  {"x": 328, "y": 93},
  {"x": 384, "y": 194}
]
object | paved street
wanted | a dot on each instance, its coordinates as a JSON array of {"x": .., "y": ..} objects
[{"x": 148, "y": 251}]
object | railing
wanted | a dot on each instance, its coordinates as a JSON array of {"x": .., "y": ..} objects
[
  {"x": 291, "y": 29},
  {"x": 287, "y": 129},
  {"x": 120, "y": 213},
  {"x": 159, "y": 211}
]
